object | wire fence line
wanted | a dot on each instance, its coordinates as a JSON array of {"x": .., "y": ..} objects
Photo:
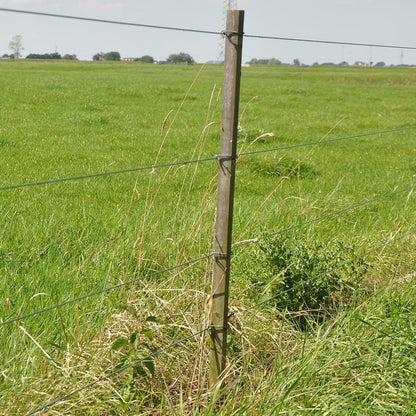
[
  {"x": 194, "y": 335},
  {"x": 96, "y": 175},
  {"x": 113, "y": 22},
  {"x": 329, "y": 42},
  {"x": 252, "y": 307},
  {"x": 118, "y": 371},
  {"x": 351, "y": 207},
  {"x": 294, "y": 146},
  {"x": 207, "y": 32},
  {"x": 106, "y": 290},
  {"x": 194, "y": 161},
  {"x": 206, "y": 257}
]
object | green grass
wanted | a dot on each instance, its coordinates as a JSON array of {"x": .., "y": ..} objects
[{"x": 61, "y": 241}]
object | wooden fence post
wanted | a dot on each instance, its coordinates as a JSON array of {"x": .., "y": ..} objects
[{"x": 225, "y": 198}]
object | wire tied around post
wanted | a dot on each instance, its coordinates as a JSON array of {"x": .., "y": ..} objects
[
  {"x": 219, "y": 327},
  {"x": 223, "y": 158},
  {"x": 222, "y": 255},
  {"x": 230, "y": 34}
]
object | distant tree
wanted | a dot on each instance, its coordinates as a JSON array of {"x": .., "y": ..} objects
[
  {"x": 180, "y": 58},
  {"x": 146, "y": 59},
  {"x": 380, "y": 64},
  {"x": 296, "y": 62},
  {"x": 344, "y": 63},
  {"x": 70, "y": 57},
  {"x": 98, "y": 56},
  {"x": 112, "y": 56},
  {"x": 5, "y": 56},
  {"x": 16, "y": 46},
  {"x": 274, "y": 61},
  {"x": 271, "y": 61},
  {"x": 54, "y": 55}
]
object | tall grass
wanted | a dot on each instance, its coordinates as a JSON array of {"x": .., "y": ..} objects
[{"x": 65, "y": 240}]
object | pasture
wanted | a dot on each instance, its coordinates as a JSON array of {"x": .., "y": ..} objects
[{"x": 60, "y": 241}]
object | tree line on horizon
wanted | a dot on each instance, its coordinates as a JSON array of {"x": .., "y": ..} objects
[
  {"x": 108, "y": 56},
  {"x": 16, "y": 47},
  {"x": 184, "y": 58},
  {"x": 296, "y": 62}
]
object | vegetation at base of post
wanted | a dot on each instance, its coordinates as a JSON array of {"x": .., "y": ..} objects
[{"x": 304, "y": 278}]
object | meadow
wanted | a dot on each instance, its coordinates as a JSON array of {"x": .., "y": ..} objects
[{"x": 353, "y": 352}]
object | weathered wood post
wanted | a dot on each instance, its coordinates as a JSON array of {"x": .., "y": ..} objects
[{"x": 226, "y": 180}]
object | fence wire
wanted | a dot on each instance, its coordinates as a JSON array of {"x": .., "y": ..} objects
[
  {"x": 96, "y": 175},
  {"x": 113, "y": 22},
  {"x": 120, "y": 370},
  {"x": 361, "y": 204},
  {"x": 202, "y": 160},
  {"x": 108, "y": 289},
  {"x": 207, "y": 32},
  {"x": 330, "y": 42},
  {"x": 293, "y": 146}
]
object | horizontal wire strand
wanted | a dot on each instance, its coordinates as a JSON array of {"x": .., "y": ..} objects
[
  {"x": 361, "y": 204},
  {"x": 208, "y": 32},
  {"x": 126, "y": 367},
  {"x": 96, "y": 175},
  {"x": 187, "y": 162},
  {"x": 113, "y": 22},
  {"x": 326, "y": 272},
  {"x": 293, "y": 146},
  {"x": 329, "y": 42},
  {"x": 108, "y": 289}
]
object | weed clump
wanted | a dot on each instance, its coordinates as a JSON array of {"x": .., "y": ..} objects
[{"x": 307, "y": 281}]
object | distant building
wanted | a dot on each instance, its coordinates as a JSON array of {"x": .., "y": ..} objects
[{"x": 130, "y": 59}]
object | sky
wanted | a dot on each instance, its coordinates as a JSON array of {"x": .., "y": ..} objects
[{"x": 363, "y": 21}]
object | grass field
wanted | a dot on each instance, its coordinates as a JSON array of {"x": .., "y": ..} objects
[{"x": 64, "y": 240}]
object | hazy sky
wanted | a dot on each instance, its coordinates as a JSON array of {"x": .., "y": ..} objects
[{"x": 364, "y": 21}]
